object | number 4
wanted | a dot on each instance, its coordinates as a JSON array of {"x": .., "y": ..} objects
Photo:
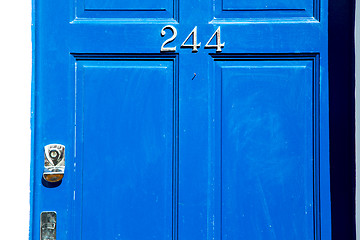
[
  {"x": 218, "y": 45},
  {"x": 194, "y": 44}
]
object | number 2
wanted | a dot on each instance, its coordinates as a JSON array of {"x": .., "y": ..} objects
[{"x": 174, "y": 31}]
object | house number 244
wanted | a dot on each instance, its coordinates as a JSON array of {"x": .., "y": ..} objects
[{"x": 194, "y": 44}]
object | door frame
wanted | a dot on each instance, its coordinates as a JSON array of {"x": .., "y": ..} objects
[{"x": 342, "y": 117}]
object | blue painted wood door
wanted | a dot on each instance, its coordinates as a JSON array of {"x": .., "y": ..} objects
[{"x": 188, "y": 145}]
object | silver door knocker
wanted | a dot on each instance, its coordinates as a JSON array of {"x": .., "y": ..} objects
[{"x": 54, "y": 162}]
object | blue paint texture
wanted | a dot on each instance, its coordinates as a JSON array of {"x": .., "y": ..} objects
[{"x": 182, "y": 145}]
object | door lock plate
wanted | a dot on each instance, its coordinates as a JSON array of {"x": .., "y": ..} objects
[{"x": 48, "y": 226}]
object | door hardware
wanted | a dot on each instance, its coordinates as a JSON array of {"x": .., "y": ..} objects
[
  {"x": 48, "y": 226},
  {"x": 54, "y": 162}
]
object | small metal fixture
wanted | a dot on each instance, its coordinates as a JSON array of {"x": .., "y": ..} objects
[
  {"x": 48, "y": 226},
  {"x": 54, "y": 162}
]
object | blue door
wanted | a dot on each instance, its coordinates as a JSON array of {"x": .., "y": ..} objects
[{"x": 181, "y": 120}]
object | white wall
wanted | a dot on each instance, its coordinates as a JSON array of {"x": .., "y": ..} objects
[{"x": 15, "y": 92}]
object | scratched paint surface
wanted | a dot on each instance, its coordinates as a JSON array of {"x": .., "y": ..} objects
[{"x": 267, "y": 165}]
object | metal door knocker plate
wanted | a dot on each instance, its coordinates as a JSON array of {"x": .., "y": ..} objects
[{"x": 54, "y": 162}]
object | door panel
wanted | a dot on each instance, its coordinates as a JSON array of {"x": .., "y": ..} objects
[
  {"x": 274, "y": 10},
  {"x": 133, "y": 170},
  {"x": 267, "y": 167},
  {"x": 183, "y": 145},
  {"x": 131, "y": 5},
  {"x": 262, "y": 5},
  {"x": 126, "y": 10}
]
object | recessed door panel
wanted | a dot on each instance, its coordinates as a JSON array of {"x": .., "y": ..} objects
[
  {"x": 267, "y": 177},
  {"x": 125, "y": 169},
  {"x": 127, "y": 5},
  {"x": 264, "y": 9},
  {"x": 263, "y": 5},
  {"x": 126, "y": 10}
]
